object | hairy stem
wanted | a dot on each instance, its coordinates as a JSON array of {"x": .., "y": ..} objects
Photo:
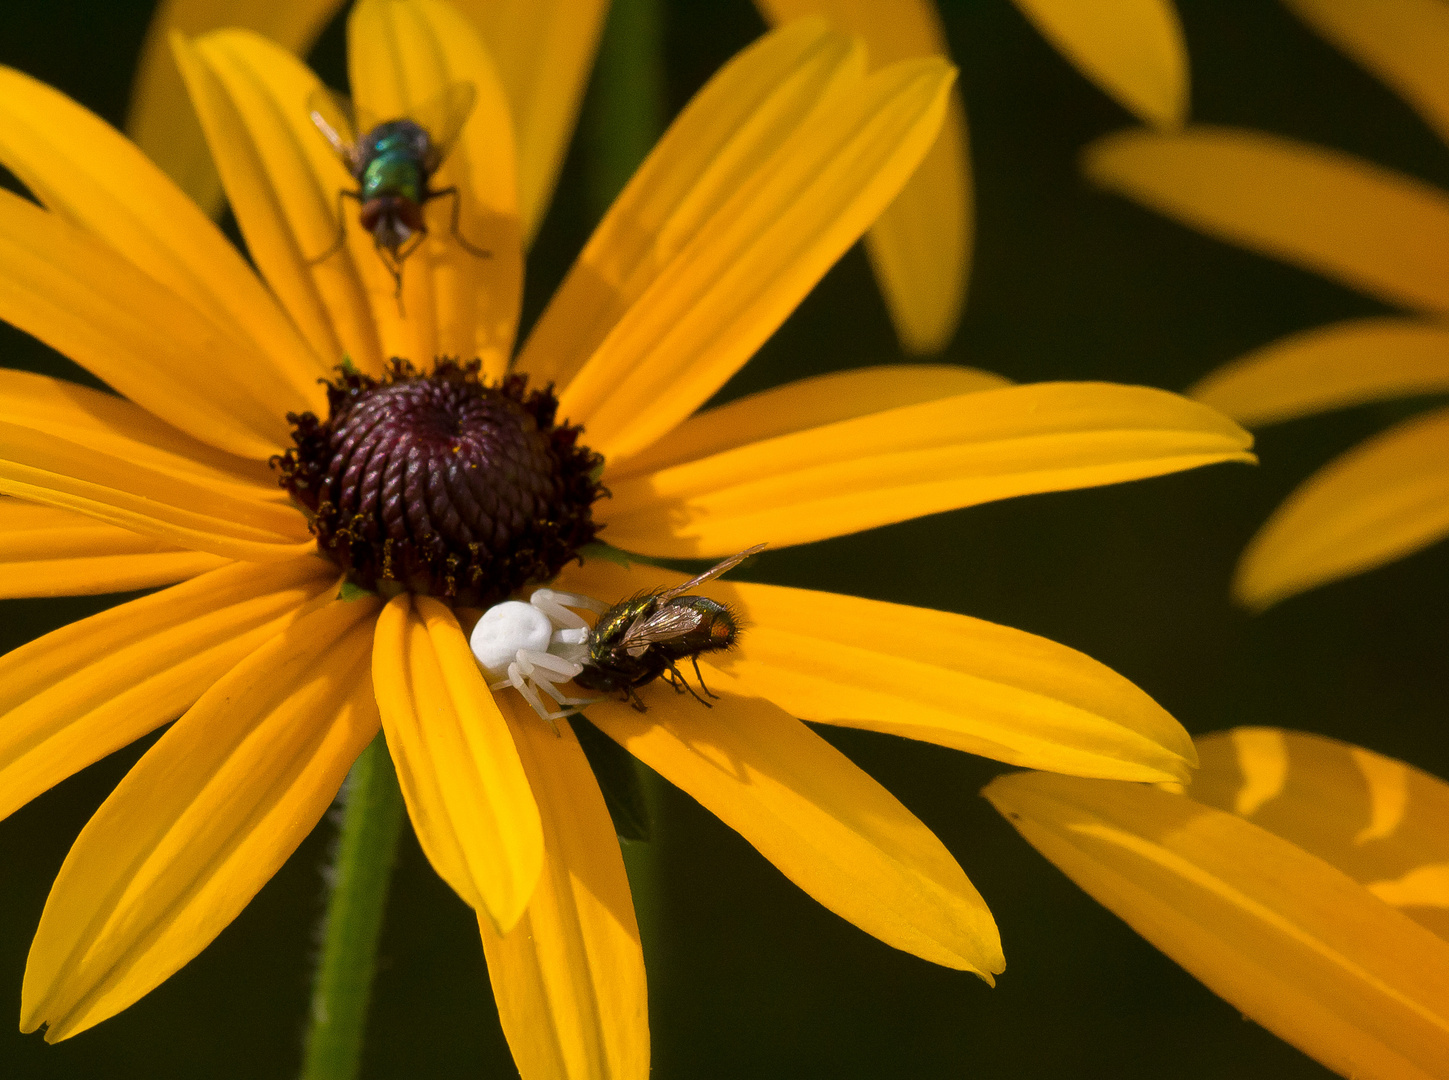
[{"x": 371, "y": 823}]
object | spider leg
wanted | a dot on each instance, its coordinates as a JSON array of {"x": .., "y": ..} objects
[
  {"x": 556, "y": 606},
  {"x": 546, "y": 670},
  {"x": 520, "y": 683},
  {"x": 476, "y": 252}
]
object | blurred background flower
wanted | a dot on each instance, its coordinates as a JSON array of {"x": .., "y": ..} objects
[
  {"x": 1304, "y": 879},
  {"x": 1369, "y": 227}
]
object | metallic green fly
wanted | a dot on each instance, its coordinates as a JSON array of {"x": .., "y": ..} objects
[{"x": 393, "y": 164}]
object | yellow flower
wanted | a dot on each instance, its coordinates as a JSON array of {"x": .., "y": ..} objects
[
  {"x": 1303, "y": 879},
  {"x": 766, "y": 178},
  {"x": 920, "y": 246},
  {"x": 1372, "y": 229}
]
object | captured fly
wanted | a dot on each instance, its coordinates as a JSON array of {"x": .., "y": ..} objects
[
  {"x": 393, "y": 163},
  {"x": 535, "y": 646}
]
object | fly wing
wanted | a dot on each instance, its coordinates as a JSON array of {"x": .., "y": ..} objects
[
  {"x": 442, "y": 116},
  {"x": 712, "y": 573},
  {"x": 335, "y": 119},
  {"x": 666, "y": 624}
]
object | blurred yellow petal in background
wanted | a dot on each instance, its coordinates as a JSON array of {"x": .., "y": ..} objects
[
  {"x": 1368, "y": 227},
  {"x": 1303, "y": 879}
]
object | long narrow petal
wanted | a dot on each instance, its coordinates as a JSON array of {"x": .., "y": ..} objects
[
  {"x": 1383, "y": 823},
  {"x": 465, "y": 788},
  {"x": 828, "y": 826},
  {"x": 161, "y": 121},
  {"x": 80, "y": 167},
  {"x": 808, "y": 403},
  {"x": 1331, "y": 367},
  {"x": 544, "y": 50},
  {"x": 921, "y": 245},
  {"x": 932, "y": 675},
  {"x": 1370, "y": 228},
  {"x": 1133, "y": 49},
  {"x": 1382, "y": 500},
  {"x": 1403, "y": 42},
  {"x": 742, "y": 274},
  {"x": 73, "y": 292},
  {"x": 569, "y": 978},
  {"x": 115, "y": 427},
  {"x": 1289, "y": 940},
  {"x": 775, "y": 169},
  {"x": 739, "y": 120},
  {"x": 401, "y": 55},
  {"x": 284, "y": 186},
  {"x": 73, "y": 696},
  {"x": 194, "y": 514},
  {"x": 49, "y": 552},
  {"x": 203, "y": 820},
  {"x": 914, "y": 460}
]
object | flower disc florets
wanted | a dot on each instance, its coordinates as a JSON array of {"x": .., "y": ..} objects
[{"x": 442, "y": 484}]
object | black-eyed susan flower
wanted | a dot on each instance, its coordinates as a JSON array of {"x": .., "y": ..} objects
[
  {"x": 921, "y": 244},
  {"x": 416, "y": 486},
  {"x": 1370, "y": 228},
  {"x": 1303, "y": 879}
]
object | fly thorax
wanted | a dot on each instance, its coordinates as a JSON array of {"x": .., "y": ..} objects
[{"x": 442, "y": 484}]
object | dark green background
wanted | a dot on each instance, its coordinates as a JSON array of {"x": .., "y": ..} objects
[{"x": 748, "y": 977}]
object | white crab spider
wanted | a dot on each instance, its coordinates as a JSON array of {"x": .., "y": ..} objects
[{"x": 535, "y": 646}]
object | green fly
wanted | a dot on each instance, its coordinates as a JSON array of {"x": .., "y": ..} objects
[{"x": 393, "y": 164}]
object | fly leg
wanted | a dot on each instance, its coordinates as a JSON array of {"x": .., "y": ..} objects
[
  {"x": 390, "y": 260},
  {"x": 695, "y": 661},
  {"x": 341, "y": 228},
  {"x": 680, "y": 684},
  {"x": 632, "y": 697},
  {"x": 476, "y": 252}
]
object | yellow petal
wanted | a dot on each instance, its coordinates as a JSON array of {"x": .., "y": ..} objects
[
  {"x": 162, "y": 121},
  {"x": 201, "y": 823},
  {"x": 1382, "y": 500},
  {"x": 1330, "y": 367},
  {"x": 1370, "y": 228},
  {"x": 932, "y": 675},
  {"x": 1290, "y": 941},
  {"x": 283, "y": 183},
  {"x": 828, "y": 826},
  {"x": 457, "y": 765},
  {"x": 569, "y": 978},
  {"x": 917, "y": 459},
  {"x": 544, "y": 50},
  {"x": 741, "y": 117},
  {"x": 81, "y": 168},
  {"x": 1403, "y": 42},
  {"x": 78, "y": 693},
  {"x": 1132, "y": 49},
  {"x": 195, "y": 514},
  {"x": 744, "y": 271},
  {"x": 1383, "y": 823},
  {"x": 73, "y": 292},
  {"x": 808, "y": 403},
  {"x": 401, "y": 55},
  {"x": 742, "y": 207},
  {"x": 921, "y": 245},
  {"x": 115, "y": 427},
  {"x": 49, "y": 552}
]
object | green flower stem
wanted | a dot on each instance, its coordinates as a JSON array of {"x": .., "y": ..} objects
[
  {"x": 626, "y": 109},
  {"x": 371, "y": 824}
]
